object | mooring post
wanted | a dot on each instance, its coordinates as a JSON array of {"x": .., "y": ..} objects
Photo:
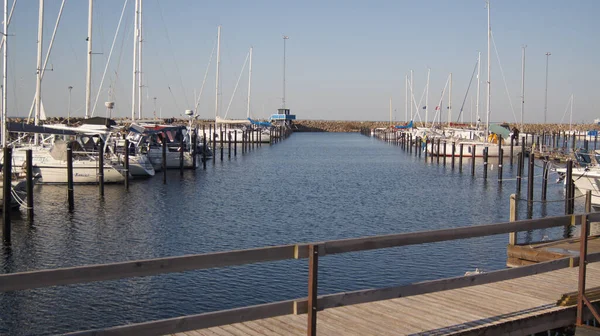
[
  {"x": 204, "y": 150},
  {"x": 438, "y": 152},
  {"x": 512, "y": 237},
  {"x": 485, "y": 162},
  {"x": 500, "y": 161},
  {"x": 595, "y": 140},
  {"x": 126, "y": 159},
  {"x": 568, "y": 176},
  {"x": 420, "y": 146},
  {"x": 530, "y": 175},
  {"x": 313, "y": 271},
  {"x": 453, "y": 150},
  {"x": 523, "y": 151},
  {"x": 101, "y": 167},
  {"x": 235, "y": 142},
  {"x": 460, "y": 157},
  {"x": 221, "y": 140},
  {"x": 6, "y": 194},
  {"x": 473, "y": 161},
  {"x": 70, "y": 196},
  {"x": 545, "y": 177},
  {"x": 512, "y": 145},
  {"x": 520, "y": 157},
  {"x": 29, "y": 186},
  {"x": 229, "y": 144},
  {"x": 164, "y": 157},
  {"x": 195, "y": 148},
  {"x": 426, "y": 150},
  {"x": 409, "y": 143},
  {"x": 444, "y": 159},
  {"x": 181, "y": 156},
  {"x": 573, "y": 142}
]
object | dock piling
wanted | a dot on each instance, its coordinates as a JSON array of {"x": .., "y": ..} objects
[
  {"x": 126, "y": 160},
  {"x": 164, "y": 157},
  {"x": 101, "y": 167},
  {"x": 485, "y": 162},
  {"x": 6, "y": 193},
  {"x": 473, "y": 160},
  {"x": 530, "y": 175},
  {"x": 460, "y": 157},
  {"x": 70, "y": 196},
  {"x": 29, "y": 174}
]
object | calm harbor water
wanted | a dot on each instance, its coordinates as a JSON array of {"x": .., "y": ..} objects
[{"x": 311, "y": 187}]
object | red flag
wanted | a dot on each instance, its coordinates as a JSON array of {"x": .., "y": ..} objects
[{"x": 437, "y": 108}]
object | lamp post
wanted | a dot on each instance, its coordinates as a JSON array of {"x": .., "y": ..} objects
[
  {"x": 69, "y": 109},
  {"x": 546, "y": 99}
]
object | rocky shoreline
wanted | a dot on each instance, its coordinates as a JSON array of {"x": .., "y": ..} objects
[{"x": 348, "y": 126}]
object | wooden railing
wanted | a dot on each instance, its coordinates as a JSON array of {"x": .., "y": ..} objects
[{"x": 313, "y": 251}]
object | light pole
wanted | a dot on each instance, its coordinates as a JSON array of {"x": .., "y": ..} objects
[
  {"x": 546, "y": 99},
  {"x": 69, "y": 110},
  {"x": 283, "y": 99}
]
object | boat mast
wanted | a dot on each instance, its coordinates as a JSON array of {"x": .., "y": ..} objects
[
  {"x": 38, "y": 84},
  {"x": 390, "y": 111},
  {"x": 406, "y": 98},
  {"x": 427, "y": 97},
  {"x": 135, "y": 59},
  {"x": 249, "y": 84},
  {"x": 4, "y": 76},
  {"x": 571, "y": 117},
  {"x": 88, "y": 84},
  {"x": 478, "y": 86},
  {"x": 411, "y": 95},
  {"x": 489, "y": 93},
  {"x": 140, "y": 85},
  {"x": 283, "y": 99},
  {"x": 450, "y": 101},
  {"x": 217, "y": 76},
  {"x": 523, "y": 85}
]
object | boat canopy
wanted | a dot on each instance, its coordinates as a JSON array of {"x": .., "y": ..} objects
[
  {"x": 260, "y": 123},
  {"x": 30, "y": 128},
  {"x": 220, "y": 120},
  {"x": 409, "y": 125},
  {"x": 154, "y": 129}
]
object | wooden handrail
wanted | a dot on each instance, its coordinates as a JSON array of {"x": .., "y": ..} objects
[{"x": 129, "y": 269}]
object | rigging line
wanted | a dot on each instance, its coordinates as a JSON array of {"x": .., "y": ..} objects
[
  {"x": 236, "y": 84},
  {"x": 204, "y": 80},
  {"x": 174, "y": 100},
  {"x": 467, "y": 94},
  {"x": 43, "y": 69},
  {"x": 109, "y": 56},
  {"x": 566, "y": 109},
  {"x": 172, "y": 54},
  {"x": 503, "y": 78}
]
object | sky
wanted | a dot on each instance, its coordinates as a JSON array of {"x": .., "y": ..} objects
[{"x": 345, "y": 59}]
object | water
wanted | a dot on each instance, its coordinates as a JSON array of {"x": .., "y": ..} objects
[{"x": 311, "y": 187}]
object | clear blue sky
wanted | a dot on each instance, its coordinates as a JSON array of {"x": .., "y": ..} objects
[{"x": 345, "y": 58}]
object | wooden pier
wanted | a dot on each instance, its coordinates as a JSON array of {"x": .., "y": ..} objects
[{"x": 516, "y": 301}]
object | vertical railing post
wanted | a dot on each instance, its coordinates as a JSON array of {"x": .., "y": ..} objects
[
  {"x": 582, "y": 265},
  {"x": 6, "y": 193},
  {"x": 29, "y": 164},
  {"x": 313, "y": 270},
  {"x": 512, "y": 237}
]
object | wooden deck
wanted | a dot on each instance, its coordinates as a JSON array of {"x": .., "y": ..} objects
[
  {"x": 527, "y": 254},
  {"x": 518, "y": 306}
]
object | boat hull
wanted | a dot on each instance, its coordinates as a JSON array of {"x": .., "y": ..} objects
[{"x": 493, "y": 151}]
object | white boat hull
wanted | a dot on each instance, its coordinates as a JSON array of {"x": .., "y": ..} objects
[
  {"x": 493, "y": 151},
  {"x": 173, "y": 159}
]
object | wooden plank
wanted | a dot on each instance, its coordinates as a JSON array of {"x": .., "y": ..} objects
[
  {"x": 366, "y": 320},
  {"x": 221, "y": 332},
  {"x": 246, "y": 330},
  {"x": 84, "y": 274},
  {"x": 538, "y": 255},
  {"x": 200, "y": 321},
  {"x": 369, "y": 295},
  {"x": 423, "y": 237},
  {"x": 259, "y": 328}
]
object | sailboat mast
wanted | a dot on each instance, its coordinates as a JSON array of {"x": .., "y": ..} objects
[
  {"x": 478, "y": 85},
  {"x": 140, "y": 85},
  {"x": 249, "y": 84},
  {"x": 450, "y": 101},
  {"x": 406, "y": 98},
  {"x": 38, "y": 84},
  {"x": 217, "y": 76},
  {"x": 390, "y": 111},
  {"x": 88, "y": 84},
  {"x": 4, "y": 76},
  {"x": 283, "y": 99},
  {"x": 523, "y": 85},
  {"x": 489, "y": 64},
  {"x": 571, "y": 117},
  {"x": 427, "y": 98},
  {"x": 411, "y": 95},
  {"x": 135, "y": 58}
]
